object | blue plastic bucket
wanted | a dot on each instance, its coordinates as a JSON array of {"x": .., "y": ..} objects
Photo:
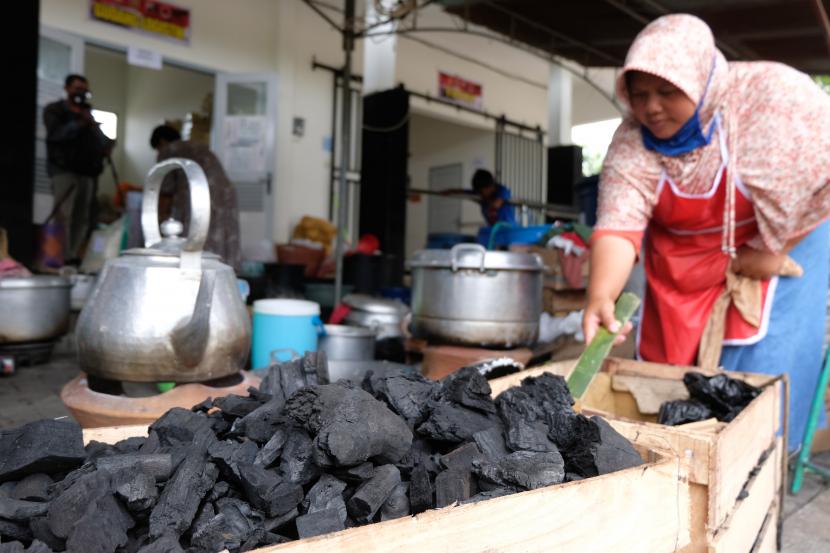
[
  {"x": 508, "y": 234},
  {"x": 286, "y": 325}
]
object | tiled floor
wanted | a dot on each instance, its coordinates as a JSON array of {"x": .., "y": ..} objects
[{"x": 34, "y": 393}]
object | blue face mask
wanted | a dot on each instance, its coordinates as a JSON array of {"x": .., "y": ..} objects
[{"x": 689, "y": 137}]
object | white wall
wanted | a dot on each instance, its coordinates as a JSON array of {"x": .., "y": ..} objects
[
  {"x": 283, "y": 36},
  {"x": 433, "y": 143}
]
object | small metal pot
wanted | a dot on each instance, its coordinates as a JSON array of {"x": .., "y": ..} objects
[
  {"x": 33, "y": 309},
  {"x": 384, "y": 316},
  {"x": 348, "y": 343}
]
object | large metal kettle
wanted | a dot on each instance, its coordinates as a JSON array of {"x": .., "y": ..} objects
[{"x": 168, "y": 311}]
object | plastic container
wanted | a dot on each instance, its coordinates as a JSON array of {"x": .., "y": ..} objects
[
  {"x": 507, "y": 235},
  {"x": 286, "y": 325}
]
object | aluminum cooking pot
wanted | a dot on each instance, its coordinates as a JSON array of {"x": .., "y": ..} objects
[
  {"x": 384, "y": 316},
  {"x": 33, "y": 309},
  {"x": 471, "y": 296},
  {"x": 168, "y": 311},
  {"x": 348, "y": 343}
]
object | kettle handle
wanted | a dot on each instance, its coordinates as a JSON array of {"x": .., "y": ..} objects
[{"x": 199, "y": 203}]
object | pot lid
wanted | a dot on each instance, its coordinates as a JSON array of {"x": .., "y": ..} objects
[
  {"x": 170, "y": 245},
  {"x": 370, "y": 304},
  {"x": 473, "y": 256},
  {"x": 35, "y": 281}
]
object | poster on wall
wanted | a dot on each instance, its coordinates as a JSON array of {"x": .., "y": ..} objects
[
  {"x": 147, "y": 16},
  {"x": 459, "y": 90}
]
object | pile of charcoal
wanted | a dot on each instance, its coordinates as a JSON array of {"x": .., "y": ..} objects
[
  {"x": 295, "y": 459},
  {"x": 720, "y": 396}
]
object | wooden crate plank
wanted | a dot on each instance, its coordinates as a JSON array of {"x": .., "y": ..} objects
[
  {"x": 737, "y": 451},
  {"x": 768, "y": 539},
  {"x": 591, "y": 516},
  {"x": 743, "y": 525},
  {"x": 113, "y": 434},
  {"x": 699, "y": 495}
]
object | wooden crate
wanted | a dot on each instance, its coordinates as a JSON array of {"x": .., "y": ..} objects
[
  {"x": 640, "y": 509},
  {"x": 719, "y": 457}
]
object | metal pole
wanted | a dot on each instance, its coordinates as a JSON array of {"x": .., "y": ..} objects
[{"x": 345, "y": 149}]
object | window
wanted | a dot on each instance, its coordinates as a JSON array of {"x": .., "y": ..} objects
[
  {"x": 108, "y": 122},
  {"x": 594, "y": 138}
]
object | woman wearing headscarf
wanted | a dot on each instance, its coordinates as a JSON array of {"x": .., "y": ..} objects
[{"x": 720, "y": 172}]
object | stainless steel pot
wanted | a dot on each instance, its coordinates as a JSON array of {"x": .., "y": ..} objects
[
  {"x": 33, "y": 309},
  {"x": 471, "y": 296},
  {"x": 384, "y": 316},
  {"x": 348, "y": 343},
  {"x": 168, "y": 311}
]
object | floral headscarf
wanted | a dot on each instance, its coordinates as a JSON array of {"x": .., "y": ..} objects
[{"x": 777, "y": 124}]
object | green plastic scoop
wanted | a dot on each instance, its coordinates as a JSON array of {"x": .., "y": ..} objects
[{"x": 591, "y": 359}]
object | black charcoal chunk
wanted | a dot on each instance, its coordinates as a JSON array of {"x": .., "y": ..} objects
[
  {"x": 614, "y": 452},
  {"x": 397, "y": 504},
  {"x": 280, "y": 522},
  {"x": 462, "y": 457},
  {"x": 157, "y": 465},
  {"x": 525, "y": 421},
  {"x": 203, "y": 516},
  {"x": 420, "y": 490},
  {"x": 38, "y": 547},
  {"x": 234, "y": 407},
  {"x": 350, "y": 426},
  {"x": 452, "y": 486},
  {"x": 406, "y": 394},
  {"x": 241, "y": 519},
  {"x": 491, "y": 443},
  {"x": 17, "y": 509},
  {"x": 469, "y": 388},
  {"x": 269, "y": 538},
  {"x": 15, "y": 530},
  {"x": 6, "y": 488},
  {"x": 372, "y": 494},
  {"x": 319, "y": 523},
  {"x": 327, "y": 493},
  {"x": 181, "y": 497},
  {"x": 130, "y": 445},
  {"x": 297, "y": 464},
  {"x": 228, "y": 455},
  {"x": 272, "y": 449},
  {"x": 164, "y": 544},
  {"x": 267, "y": 491},
  {"x": 137, "y": 489},
  {"x": 47, "y": 446},
  {"x": 576, "y": 436},
  {"x": 357, "y": 473},
  {"x": 12, "y": 547},
  {"x": 229, "y": 529},
  {"x": 95, "y": 450},
  {"x": 70, "y": 503},
  {"x": 203, "y": 406},
  {"x": 102, "y": 528},
  {"x": 34, "y": 487},
  {"x": 151, "y": 444},
  {"x": 40, "y": 531},
  {"x": 449, "y": 422},
  {"x": 283, "y": 380},
  {"x": 182, "y": 428},
  {"x": 489, "y": 494},
  {"x": 260, "y": 424},
  {"x": 524, "y": 470},
  {"x": 219, "y": 424}
]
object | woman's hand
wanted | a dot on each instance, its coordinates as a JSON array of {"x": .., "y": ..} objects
[
  {"x": 600, "y": 312},
  {"x": 757, "y": 264}
]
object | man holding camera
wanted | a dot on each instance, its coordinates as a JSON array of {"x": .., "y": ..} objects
[{"x": 75, "y": 151}]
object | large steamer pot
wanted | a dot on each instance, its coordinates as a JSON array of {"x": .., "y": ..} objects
[
  {"x": 471, "y": 296},
  {"x": 33, "y": 309},
  {"x": 348, "y": 343}
]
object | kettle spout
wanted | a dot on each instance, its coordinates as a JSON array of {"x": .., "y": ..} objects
[{"x": 190, "y": 337}]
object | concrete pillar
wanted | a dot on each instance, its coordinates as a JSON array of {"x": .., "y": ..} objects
[
  {"x": 560, "y": 104},
  {"x": 379, "y": 52}
]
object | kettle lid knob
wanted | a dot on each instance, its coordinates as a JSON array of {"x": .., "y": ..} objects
[{"x": 171, "y": 228}]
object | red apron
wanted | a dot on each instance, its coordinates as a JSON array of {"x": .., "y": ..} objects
[{"x": 686, "y": 270}]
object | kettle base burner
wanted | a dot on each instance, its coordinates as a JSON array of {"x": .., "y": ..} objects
[
  {"x": 96, "y": 402},
  {"x": 24, "y": 354}
]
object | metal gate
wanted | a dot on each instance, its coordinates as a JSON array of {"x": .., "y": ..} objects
[
  {"x": 353, "y": 170},
  {"x": 520, "y": 165}
]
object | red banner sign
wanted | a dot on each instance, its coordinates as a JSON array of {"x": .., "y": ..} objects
[
  {"x": 149, "y": 16},
  {"x": 461, "y": 91}
]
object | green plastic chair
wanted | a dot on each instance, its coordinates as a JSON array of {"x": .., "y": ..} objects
[{"x": 803, "y": 463}]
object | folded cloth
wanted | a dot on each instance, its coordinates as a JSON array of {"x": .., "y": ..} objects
[{"x": 745, "y": 294}]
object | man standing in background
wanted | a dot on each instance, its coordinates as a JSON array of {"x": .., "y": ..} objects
[
  {"x": 75, "y": 151},
  {"x": 494, "y": 198}
]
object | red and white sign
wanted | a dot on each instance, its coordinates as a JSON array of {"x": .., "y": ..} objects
[
  {"x": 460, "y": 91},
  {"x": 148, "y": 16}
]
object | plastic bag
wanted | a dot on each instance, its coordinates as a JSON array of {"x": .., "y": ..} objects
[
  {"x": 725, "y": 396},
  {"x": 682, "y": 411}
]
